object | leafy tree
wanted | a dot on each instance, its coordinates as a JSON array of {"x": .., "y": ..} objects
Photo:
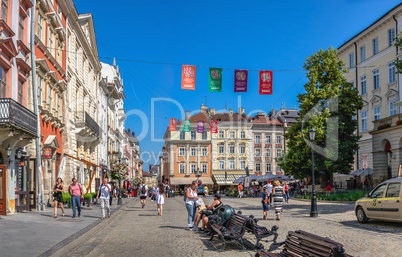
[
  {"x": 398, "y": 45},
  {"x": 329, "y": 105}
]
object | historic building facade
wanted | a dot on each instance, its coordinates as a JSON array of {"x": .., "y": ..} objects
[{"x": 370, "y": 59}]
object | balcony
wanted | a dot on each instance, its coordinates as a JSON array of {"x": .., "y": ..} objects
[
  {"x": 87, "y": 130},
  {"x": 15, "y": 115},
  {"x": 91, "y": 123}
]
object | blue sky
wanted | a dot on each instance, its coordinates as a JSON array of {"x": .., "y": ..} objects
[{"x": 151, "y": 39}]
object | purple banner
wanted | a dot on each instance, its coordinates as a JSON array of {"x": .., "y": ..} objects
[
  {"x": 240, "y": 80},
  {"x": 200, "y": 127}
]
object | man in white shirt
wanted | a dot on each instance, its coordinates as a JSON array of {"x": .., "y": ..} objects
[
  {"x": 104, "y": 192},
  {"x": 143, "y": 194}
]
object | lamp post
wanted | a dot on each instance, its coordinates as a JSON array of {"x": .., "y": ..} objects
[
  {"x": 313, "y": 211},
  {"x": 198, "y": 174}
]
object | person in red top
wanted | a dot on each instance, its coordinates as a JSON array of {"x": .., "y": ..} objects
[
  {"x": 240, "y": 190},
  {"x": 328, "y": 188},
  {"x": 75, "y": 190}
]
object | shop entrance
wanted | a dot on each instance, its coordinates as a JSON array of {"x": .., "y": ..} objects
[{"x": 25, "y": 191}]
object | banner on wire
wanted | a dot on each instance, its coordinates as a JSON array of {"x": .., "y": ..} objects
[
  {"x": 266, "y": 82},
  {"x": 200, "y": 126},
  {"x": 240, "y": 80},
  {"x": 188, "y": 73},
  {"x": 213, "y": 126},
  {"x": 215, "y": 79},
  {"x": 172, "y": 124},
  {"x": 186, "y": 126}
]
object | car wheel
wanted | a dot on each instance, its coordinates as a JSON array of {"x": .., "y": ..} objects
[{"x": 360, "y": 215}]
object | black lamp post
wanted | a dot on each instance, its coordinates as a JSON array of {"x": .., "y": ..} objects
[
  {"x": 8, "y": 152},
  {"x": 313, "y": 211}
]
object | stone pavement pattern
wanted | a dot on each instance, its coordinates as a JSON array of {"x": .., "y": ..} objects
[{"x": 133, "y": 231}]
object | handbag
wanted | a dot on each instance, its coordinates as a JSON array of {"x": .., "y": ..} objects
[{"x": 207, "y": 212}]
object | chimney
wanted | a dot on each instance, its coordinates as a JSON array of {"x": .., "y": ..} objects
[{"x": 212, "y": 111}]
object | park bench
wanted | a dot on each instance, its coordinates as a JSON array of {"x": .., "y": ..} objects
[
  {"x": 304, "y": 244},
  {"x": 231, "y": 231}
]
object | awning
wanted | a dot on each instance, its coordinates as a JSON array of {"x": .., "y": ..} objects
[
  {"x": 220, "y": 179},
  {"x": 51, "y": 141},
  {"x": 82, "y": 160},
  {"x": 188, "y": 180},
  {"x": 362, "y": 172}
]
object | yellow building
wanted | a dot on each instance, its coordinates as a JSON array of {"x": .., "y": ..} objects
[{"x": 370, "y": 56}]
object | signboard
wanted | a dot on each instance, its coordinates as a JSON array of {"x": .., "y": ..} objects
[
  {"x": 47, "y": 153},
  {"x": 246, "y": 181}
]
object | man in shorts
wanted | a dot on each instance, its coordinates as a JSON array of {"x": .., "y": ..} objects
[{"x": 143, "y": 194}]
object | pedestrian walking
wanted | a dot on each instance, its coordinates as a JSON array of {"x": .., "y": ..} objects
[
  {"x": 57, "y": 196},
  {"x": 328, "y": 188},
  {"x": 76, "y": 192},
  {"x": 160, "y": 198},
  {"x": 278, "y": 192},
  {"x": 104, "y": 193},
  {"x": 270, "y": 187},
  {"x": 143, "y": 194},
  {"x": 206, "y": 191},
  {"x": 191, "y": 197},
  {"x": 240, "y": 190},
  {"x": 286, "y": 195},
  {"x": 265, "y": 202}
]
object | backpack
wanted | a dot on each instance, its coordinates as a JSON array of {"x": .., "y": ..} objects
[{"x": 143, "y": 190}]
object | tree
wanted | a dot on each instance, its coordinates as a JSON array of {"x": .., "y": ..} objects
[
  {"x": 329, "y": 105},
  {"x": 398, "y": 45}
]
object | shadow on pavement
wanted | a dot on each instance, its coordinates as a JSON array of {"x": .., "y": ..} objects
[{"x": 375, "y": 226}]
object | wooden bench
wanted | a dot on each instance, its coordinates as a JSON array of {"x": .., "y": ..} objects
[
  {"x": 231, "y": 231},
  {"x": 303, "y": 244}
]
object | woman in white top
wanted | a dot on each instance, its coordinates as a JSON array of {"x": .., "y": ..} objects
[
  {"x": 191, "y": 197},
  {"x": 160, "y": 198}
]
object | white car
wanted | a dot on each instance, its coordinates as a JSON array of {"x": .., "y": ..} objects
[{"x": 384, "y": 202}]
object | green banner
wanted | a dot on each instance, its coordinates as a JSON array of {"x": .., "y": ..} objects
[
  {"x": 215, "y": 79},
  {"x": 186, "y": 126}
]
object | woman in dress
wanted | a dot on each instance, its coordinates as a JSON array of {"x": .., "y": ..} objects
[
  {"x": 160, "y": 198},
  {"x": 57, "y": 196},
  {"x": 278, "y": 192}
]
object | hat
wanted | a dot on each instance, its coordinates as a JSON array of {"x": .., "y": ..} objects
[{"x": 217, "y": 196}]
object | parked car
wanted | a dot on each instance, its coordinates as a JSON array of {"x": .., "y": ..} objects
[
  {"x": 384, "y": 202},
  {"x": 200, "y": 190}
]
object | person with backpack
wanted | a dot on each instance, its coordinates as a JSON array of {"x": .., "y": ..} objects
[
  {"x": 143, "y": 194},
  {"x": 104, "y": 192},
  {"x": 76, "y": 192},
  {"x": 265, "y": 202}
]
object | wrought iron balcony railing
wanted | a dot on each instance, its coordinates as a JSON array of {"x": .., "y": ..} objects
[
  {"x": 91, "y": 123},
  {"x": 16, "y": 115}
]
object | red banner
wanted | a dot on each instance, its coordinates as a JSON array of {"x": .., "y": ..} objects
[
  {"x": 188, "y": 77},
  {"x": 266, "y": 82},
  {"x": 213, "y": 126},
  {"x": 172, "y": 124}
]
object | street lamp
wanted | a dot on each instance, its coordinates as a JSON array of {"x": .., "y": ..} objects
[
  {"x": 313, "y": 211},
  {"x": 198, "y": 175}
]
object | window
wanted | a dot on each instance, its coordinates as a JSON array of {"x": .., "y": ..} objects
[
  {"x": 231, "y": 149},
  {"x": 376, "y": 79},
  {"x": 379, "y": 191},
  {"x": 268, "y": 154},
  {"x": 279, "y": 139},
  {"x": 242, "y": 149},
  {"x": 267, "y": 139},
  {"x": 391, "y": 36},
  {"x": 258, "y": 167},
  {"x": 21, "y": 28},
  {"x": 181, "y": 168},
  {"x": 232, "y": 134},
  {"x": 182, "y": 135},
  {"x": 375, "y": 46},
  {"x": 278, "y": 152},
  {"x": 363, "y": 85},
  {"x": 221, "y": 149},
  {"x": 364, "y": 121},
  {"x": 392, "y": 107},
  {"x": 193, "y": 168},
  {"x": 204, "y": 168},
  {"x": 231, "y": 165},
  {"x": 221, "y": 165},
  {"x": 362, "y": 53},
  {"x": 351, "y": 60},
  {"x": 257, "y": 139},
  {"x": 39, "y": 81},
  {"x": 4, "y": 10},
  {"x": 377, "y": 112},
  {"x": 39, "y": 31},
  {"x": 50, "y": 40},
  {"x": 20, "y": 90},
  {"x": 221, "y": 134},
  {"x": 257, "y": 152},
  {"x": 393, "y": 190},
  {"x": 242, "y": 164},
  {"x": 193, "y": 135},
  {"x": 3, "y": 86},
  {"x": 242, "y": 134},
  {"x": 193, "y": 151},
  {"x": 391, "y": 72},
  {"x": 204, "y": 151},
  {"x": 278, "y": 168},
  {"x": 268, "y": 167},
  {"x": 182, "y": 151},
  {"x": 204, "y": 135}
]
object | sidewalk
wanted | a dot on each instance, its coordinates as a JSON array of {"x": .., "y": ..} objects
[{"x": 39, "y": 234}]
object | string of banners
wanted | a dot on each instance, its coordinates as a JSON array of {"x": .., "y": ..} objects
[
  {"x": 188, "y": 75},
  {"x": 186, "y": 126}
]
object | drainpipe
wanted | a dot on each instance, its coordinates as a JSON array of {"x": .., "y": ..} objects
[
  {"x": 40, "y": 202},
  {"x": 357, "y": 111}
]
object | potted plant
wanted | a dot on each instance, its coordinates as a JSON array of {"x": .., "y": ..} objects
[
  {"x": 87, "y": 199},
  {"x": 66, "y": 198},
  {"x": 94, "y": 196}
]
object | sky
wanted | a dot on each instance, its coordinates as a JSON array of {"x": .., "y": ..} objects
[{"x": 152, "y": 39}]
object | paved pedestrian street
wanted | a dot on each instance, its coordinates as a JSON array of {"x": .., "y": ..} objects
[{"x": 133, "y": 231}]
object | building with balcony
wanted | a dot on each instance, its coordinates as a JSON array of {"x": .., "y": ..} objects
[
  {"x": 370, "y": 58},
  {"x": 18, "y": 123}
]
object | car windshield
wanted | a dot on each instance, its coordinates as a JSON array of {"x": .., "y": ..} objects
[{"x": 378, "y": 192}]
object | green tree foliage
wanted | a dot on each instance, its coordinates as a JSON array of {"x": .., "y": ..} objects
[
  {"x": 398, "y": 45},
  {"x": 329, "y": 104}
]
